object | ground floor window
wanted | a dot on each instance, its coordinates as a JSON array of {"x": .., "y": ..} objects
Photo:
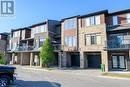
[{"x": 118, "y": 62}]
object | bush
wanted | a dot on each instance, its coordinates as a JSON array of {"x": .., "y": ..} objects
[{"x": 2, "y": 60}]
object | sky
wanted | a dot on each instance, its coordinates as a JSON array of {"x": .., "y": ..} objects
[{"x": 29, "y": 12}]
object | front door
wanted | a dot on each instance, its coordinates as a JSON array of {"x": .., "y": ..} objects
[{"x": 118, "y": 62}]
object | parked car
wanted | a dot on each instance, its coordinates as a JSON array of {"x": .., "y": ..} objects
[{"x": 6, "y": 75}]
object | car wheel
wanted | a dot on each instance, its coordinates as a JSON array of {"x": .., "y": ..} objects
[{"x": 3, "y": 82}]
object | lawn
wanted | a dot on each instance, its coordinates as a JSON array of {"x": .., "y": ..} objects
[{"x": 122, "y": 75}]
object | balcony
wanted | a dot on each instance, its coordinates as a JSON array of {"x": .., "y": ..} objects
[
  {"x": 56, "y": 47},
  {"x": 118, "y": 27},
  {"x": 23, "y": 48},
  {"x": 117, "y": 45}
]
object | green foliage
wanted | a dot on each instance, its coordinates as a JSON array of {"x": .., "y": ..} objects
[
  {"x": 2, "y": 61},
  {"x": 46, "y": 53}
]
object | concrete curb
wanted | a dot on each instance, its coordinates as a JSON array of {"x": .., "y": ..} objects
[{"x": 109, "y": 77}]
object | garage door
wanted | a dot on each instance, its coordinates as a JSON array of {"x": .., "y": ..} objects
[
  {"x": 94, "y": 61},
  {"x": 75, "y": 60}
]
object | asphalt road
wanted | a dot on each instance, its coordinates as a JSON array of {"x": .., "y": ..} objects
[{"x": 40, "y": 78}]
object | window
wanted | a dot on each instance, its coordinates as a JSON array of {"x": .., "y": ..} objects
[
  {"x": 92, "y": 39},
  {"x": 99, "y": 39},
  {"x": 115, "y": 20},
  {"x": 36, "y": 44},
  {"x": 16, "y": 34},
  {"x": 58, "y": 30},
  {"x": 94, "y": 20},
  {"x": 87, "y": 21},
  {"x": 23, "y": 34},
  {"x": 43, "y": 28},
  {"x": 33, "y": 31},
  {"x": 70, "y": 24},
  {"x": 41, "y": 41},
  {"x": 14, "y": 45},
  {"x": 87, "y": 40},
  {"x": 70, "y": 41},
  {"x": 128, "y": 18},
  {"x": 97, "y": 19}
]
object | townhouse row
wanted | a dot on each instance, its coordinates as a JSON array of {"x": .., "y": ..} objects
[{"x": 84, "y": 41}]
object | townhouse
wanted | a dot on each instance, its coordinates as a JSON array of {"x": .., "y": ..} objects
[
  {"x": 97, "y": 38},
  {"x": 118, "y": 40},
  {"x": 25, "y": 43},
  {"x": 82, "y": 41}
]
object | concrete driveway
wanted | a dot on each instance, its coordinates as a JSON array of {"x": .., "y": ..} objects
[{"x": 66, "y": 78}]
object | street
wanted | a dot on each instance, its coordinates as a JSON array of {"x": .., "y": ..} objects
[{"x": 40, "y": 78}]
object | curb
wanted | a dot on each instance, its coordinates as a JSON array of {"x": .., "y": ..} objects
[{"x": 114, "y": 77}]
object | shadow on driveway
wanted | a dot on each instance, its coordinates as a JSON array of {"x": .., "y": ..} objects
[{"x": 21, "y": 83}]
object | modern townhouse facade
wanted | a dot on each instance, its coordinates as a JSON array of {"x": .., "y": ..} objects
[
  {"x": 25, "y": 43},
  {"x": 92, "y": 37},
  {"x": 118, "y": 40},
  {"x": 69, "y": 42},
  {"x": 83, "y": 41},
  {"x": 97, "y": 38}
]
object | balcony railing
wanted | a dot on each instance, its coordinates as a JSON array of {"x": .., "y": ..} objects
[
  {"x": 57, "y": 47},
  {"x": 24, "y": 48},
  {"x": 115, "y": 44}
]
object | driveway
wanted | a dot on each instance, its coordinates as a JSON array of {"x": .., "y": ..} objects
[{"x": 65, "y": 78}]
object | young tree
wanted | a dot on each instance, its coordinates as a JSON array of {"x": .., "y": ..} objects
[
  {"x": 46, "y": 53},
  {"x": 2, "y": 61}
]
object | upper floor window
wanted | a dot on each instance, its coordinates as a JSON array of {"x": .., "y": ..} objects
[
  {"x": 23, "y": 34},
  {"x": 41, "y": 41},
  {"x": 92, "y": 39},
  {"x": 16, "y": 34},
  {"x": 42, "y": 28},
  {"x": 70, "y": 41},
  {"x": 128, "y": 18},
  {"x": 58, "y": 30},
  {"x": 115, "y": 20},
  {"x": 94, "y": 20},
  {"x": 70, "y": 24}
]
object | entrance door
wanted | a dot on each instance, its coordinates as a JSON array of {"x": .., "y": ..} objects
[{"x": 118, "y": 62}]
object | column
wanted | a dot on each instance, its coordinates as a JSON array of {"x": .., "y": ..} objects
[
  {"x": 31, "y": 59},
  {"x": 82, "y": 60},
  {"x": 104, "y": 58},
  {"x": 13, "y": 57},
  {"x": 21, "y": 56},
  {"x": 64, "y": 59},
  {"x": 128, "y": 62},
  {"x": 60, "y": 59}
]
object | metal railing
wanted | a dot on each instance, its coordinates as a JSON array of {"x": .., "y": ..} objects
[
  {"x": 115, "y": 44},
  {"x": 23, "y": 48}
]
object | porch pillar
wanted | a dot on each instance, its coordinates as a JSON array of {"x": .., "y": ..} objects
[
  {"x": 13, "y": 57},
  {"x": 31, "y": 59},
  {"x": 128, "y": 62},
  {"x": 21, "y": 56},
  {"x": 82, "y": 60},
  {"x": 104, "y": 57},
  {"x": 60, "y": 59},
  {"x": 64, "y": 59}
]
